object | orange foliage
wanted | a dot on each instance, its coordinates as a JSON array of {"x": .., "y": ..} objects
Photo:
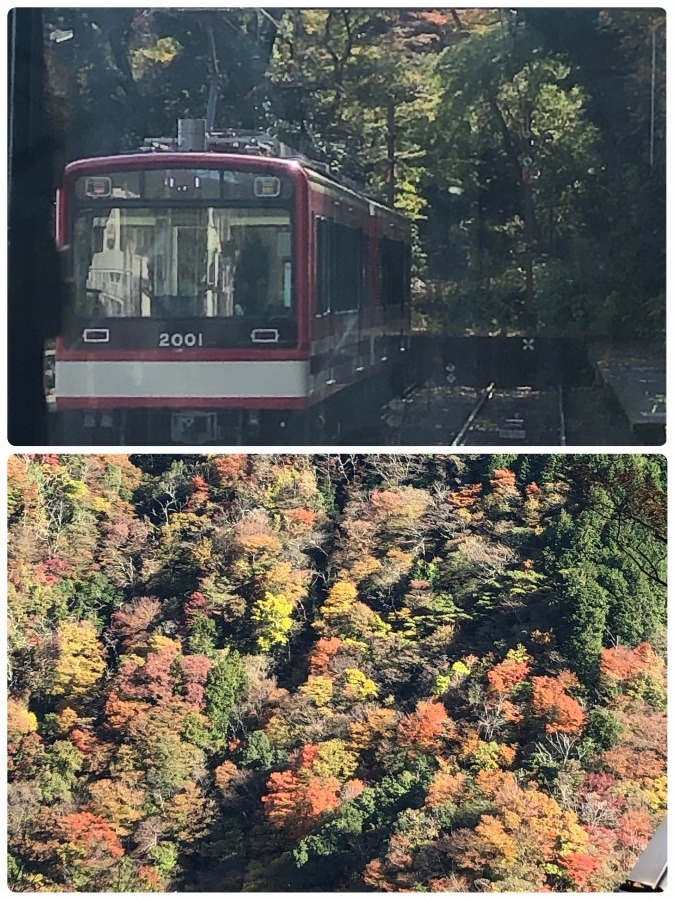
[
  {"x": 491, "y": 781},
  {"x": 324, "y": 650},
  {"x": 426, "y": 726},
  {"x": 445, "y": 788},
  {"x": 93, "y": 837},
  {"x": 466, "y": 497},
  {"x": 511, "y": 713},
  {"x": 549, "y": 700},
  {"x": 120, "y": 712},
  {"x": 568, "y": 716},
  {"x": 623, "y": 664},
  {"x": 386, "y": 501},
  {"x": 300, "y": 518},
  {"x": 503, "y": 480},
  {"x": 351, "y": 790},
  {"x": 628, "y": 762},
  {"x": 229, "y": 469},
  {"x": 225, "y": 775},
  {"x": 297, "y": 805},
  {"x": 281, "y": 803},
  {"x": 507, "y": 674}
]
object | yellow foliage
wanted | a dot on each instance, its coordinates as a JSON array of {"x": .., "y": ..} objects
[
  {"x": 20, "y": 721},
  {"x": 319, "y": 688},
  {"x": 656, "y": 790},
  {"x": 161, "y": 642},
  {"x": 282, "y": 578},
  {"x": 379, "y": 723},
  {"x": 203, "y": 552},
  {"x": 359, "y": 686},
  {"x": 335, "y": 760},
  {"x": 80, "y": 663},
  {"x": 118, "y": 802},
  {"x": 340, "y": 597},
  {"x": 272, "y": 617},
  {"x": 280, "y": 733},
  {"x": 364, "y": 566},
  {"x": 66, "y": 719}
]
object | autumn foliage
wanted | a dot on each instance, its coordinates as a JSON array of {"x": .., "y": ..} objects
[{"x": 283, "y": 673}]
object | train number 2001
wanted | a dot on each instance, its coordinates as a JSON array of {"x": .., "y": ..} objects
[{"x": 178, "y": 339}]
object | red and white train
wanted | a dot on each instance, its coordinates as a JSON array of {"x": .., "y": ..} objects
[{"x": 221, "y": 295}]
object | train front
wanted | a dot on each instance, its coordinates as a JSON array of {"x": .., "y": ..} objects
[{"x": 186, "y": 320}]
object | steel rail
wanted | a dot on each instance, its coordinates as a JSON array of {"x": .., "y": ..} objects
[{"x": 461, "y": 434}]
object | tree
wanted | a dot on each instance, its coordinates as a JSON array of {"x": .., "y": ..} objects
[
  {"x": 80, "y": 661},
  {"x": 225, "y": 684}
]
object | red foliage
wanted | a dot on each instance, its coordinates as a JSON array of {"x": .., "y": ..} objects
[
  {"x": 581, "y": 867},
  {"x": 132, "y": 620},
  {"x": 623, "y": 664},
  {"x": 52, "y": 460},
  {"x": 83, "y": 740},
  {"x": 532, "y": 490},
  {"x": 196, "y": 605},
  {"x": 152, "y": 681},
  {"x": 92, "y": 835},
  {"x": 195, "y": 670},
  {"x": 200, "y": 492},
  {"x": 324, "y": 650},
  {"x": 634, "y": 829},
  {"x": 229, "y": 469}
]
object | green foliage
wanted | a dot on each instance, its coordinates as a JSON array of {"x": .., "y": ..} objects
[
  {"x": 603, "y": 728},
  {"x": 224, "y": 687},
  {"x": 257, "y": 752},
  {"x": 203, "y": 635}
]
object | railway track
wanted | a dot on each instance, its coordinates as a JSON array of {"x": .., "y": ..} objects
[
  {"x": 514, "y": 416},
  {"x": 461, "y": 416}
]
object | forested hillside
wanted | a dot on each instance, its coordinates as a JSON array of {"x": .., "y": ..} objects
[
  {"x": 528, "y": 145},
  {"x": 363, "y": 673}
]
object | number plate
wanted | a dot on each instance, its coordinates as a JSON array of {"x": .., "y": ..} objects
[{"x": 194, "y": 427}]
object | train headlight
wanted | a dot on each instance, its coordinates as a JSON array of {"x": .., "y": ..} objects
[{"x": 49, "y": 371}]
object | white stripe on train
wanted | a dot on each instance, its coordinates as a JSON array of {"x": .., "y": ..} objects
[{"x": 217, "y": 379}]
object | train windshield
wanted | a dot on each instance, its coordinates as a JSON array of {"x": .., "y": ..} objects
[{"x": 183, "y": 262}]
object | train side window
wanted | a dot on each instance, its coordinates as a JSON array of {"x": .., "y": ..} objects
[
  {"x": 394, "y": 257},
  {"x": 348, "y": 268},
  {"x": 341, "y": 273}
]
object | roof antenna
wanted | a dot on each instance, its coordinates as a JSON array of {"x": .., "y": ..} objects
[{"x": 214, "y": 83}]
